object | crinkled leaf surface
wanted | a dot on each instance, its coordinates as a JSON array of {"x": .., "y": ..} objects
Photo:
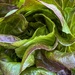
[
  {"x": 65, "y": 27},
  {"x": 10, "y": 68},
  {"x": 41, "y": 39},
  {"x": 50, "y": 64},
  {"x": 67, "y": 59},
  {"x": 37, "y": 37},
  {"x": 36, "y": 71},
  {"x": 10, "y": 23},
  {"x": 65, "y": 40},
  {"x": 29, "y": 55}
]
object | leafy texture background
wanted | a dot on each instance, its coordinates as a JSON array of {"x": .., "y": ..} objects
[{"x": 37, "y": 37}]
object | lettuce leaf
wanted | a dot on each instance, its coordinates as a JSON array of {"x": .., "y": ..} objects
[{"x": 37, "y": 37}]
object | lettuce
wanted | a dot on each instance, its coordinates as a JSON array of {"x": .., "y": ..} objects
[{"x": 37, "y": 37}]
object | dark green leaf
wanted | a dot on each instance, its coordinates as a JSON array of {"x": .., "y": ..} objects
[
  {"x": 47, "y": 40},
  {"x": 16, "y": 22},
  {"x": 58, "y": 13},
  {"x": 5, "y": 8}
]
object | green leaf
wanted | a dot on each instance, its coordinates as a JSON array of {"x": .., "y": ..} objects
[
  {"x": 19, "y": 43},
  {"x": 65, "y": 39},
  {"x": 52, "y": 2},
  {"x": 71, "y": 3},
  {"x": 16, "y": 22},
  {"x": 27, "y": 61},
  {"x": 10, "y": 68},
  {"x": 72, "y": 26},
  {"x": 65, "y": 3},
  {"x": 43, "y": 62},
  {"x": 59, "y": 2},
  {"x": 68, "y": 12},
  {"x": 1, "y": 19},
  {"x": 73, "y": 71},
  {"x": 44, "y": 11},
  {"x": 47, "y": 40},
  {"x": 20, "y": 3},
  {"x": 37, "y": 37},
  {"x": 30, "y": 5},
  {"x": 17, "y": 3},
  {"x": 5, "y": 8},
  {"x": 1, "y": 72},
  {"x": 5, "y": 58},
  {"x": 58, "y": 13},
  {"x": 11, "y": 12},
  {"x": 28, "y": 58},
  {"x": 67, "y": 59},
  {"x": 42, "y": 30},
  {"x": 37, "y": 71}
]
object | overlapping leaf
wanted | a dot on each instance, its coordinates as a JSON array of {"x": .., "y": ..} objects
[
  {"x": 37, "y": 71},
  {"x": 37, "y": 37}
]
